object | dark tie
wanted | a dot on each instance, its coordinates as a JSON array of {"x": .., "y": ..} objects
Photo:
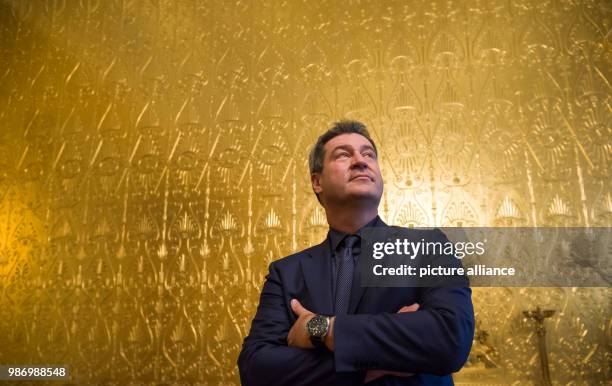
[{"x": 345, "y": 275}]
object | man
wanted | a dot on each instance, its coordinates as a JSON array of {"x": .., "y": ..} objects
[{"x": 316, "y": 325}]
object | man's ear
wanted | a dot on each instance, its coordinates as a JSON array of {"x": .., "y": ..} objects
[{"x": 315, "y": 179}]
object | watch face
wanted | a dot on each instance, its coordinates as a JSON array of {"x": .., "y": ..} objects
[{"x": 317, "y": 326}]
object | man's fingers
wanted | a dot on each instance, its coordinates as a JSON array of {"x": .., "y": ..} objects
[
  {"x": 410, "y": 308},
  {"x": 297, "y": 308},
  {"x": 372, "y": 375}
]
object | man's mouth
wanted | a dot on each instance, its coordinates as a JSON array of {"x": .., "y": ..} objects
[{"x": 361, "y": 176}]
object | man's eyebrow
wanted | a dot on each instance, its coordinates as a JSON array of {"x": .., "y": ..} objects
[
  {"x": 342, "y": 147},
  {"x": 370, "y": 147},
  {"x": 349, "y": 147}
]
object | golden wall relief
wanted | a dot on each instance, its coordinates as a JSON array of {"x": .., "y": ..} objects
[{"x": 153, "y": 162}]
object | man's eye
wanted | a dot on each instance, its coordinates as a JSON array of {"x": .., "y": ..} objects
[
  {"x": 343, "y": 155},
  {"x": 368, "y": 154}
]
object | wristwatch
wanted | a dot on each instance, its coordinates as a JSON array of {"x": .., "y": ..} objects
[{"x": 317, "y": 328}]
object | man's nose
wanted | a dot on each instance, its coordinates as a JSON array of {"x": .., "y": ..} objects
[{"x": 359, "y": 161}]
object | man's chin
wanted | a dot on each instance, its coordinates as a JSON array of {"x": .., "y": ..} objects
[{"x": 364, "y": 195}]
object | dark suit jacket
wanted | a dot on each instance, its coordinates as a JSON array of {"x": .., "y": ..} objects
[{"x": 430, "y": 343}]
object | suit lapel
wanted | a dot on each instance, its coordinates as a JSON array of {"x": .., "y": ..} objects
[
  {"x": 317, "y": 275},
  {"x": 357, "y": 291}
]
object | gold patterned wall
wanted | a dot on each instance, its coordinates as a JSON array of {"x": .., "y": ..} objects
[{"x": 153, "y": 162}]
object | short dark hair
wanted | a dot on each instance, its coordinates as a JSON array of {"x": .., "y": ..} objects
[{"x": 315, "y": 158}]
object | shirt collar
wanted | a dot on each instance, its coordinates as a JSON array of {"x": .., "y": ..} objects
[{"x": 336, "y": 236}]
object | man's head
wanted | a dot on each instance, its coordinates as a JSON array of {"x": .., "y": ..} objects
[{"x": 344, "y": 165}]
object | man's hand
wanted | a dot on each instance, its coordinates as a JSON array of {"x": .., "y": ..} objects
[
  {"x": 375, "y": 374},
  {"x": 298, "y": 335},
  {"x": 411, "y": 308}
]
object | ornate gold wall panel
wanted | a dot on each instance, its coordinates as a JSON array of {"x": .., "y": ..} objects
[{"x": 153, "y": 162}]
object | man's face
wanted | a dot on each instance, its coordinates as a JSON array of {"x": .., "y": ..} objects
[{"x": 350, "y": 171}]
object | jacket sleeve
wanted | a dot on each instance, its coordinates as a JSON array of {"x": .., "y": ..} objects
[
  {"x": 266, "y": 359},
  {"x": 436, "y": 339}
]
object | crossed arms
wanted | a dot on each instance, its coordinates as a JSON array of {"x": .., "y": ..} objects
[{"x": 435, "y": 339}]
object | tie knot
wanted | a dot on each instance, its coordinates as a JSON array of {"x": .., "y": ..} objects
[{"x": 350, "y": 241}]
